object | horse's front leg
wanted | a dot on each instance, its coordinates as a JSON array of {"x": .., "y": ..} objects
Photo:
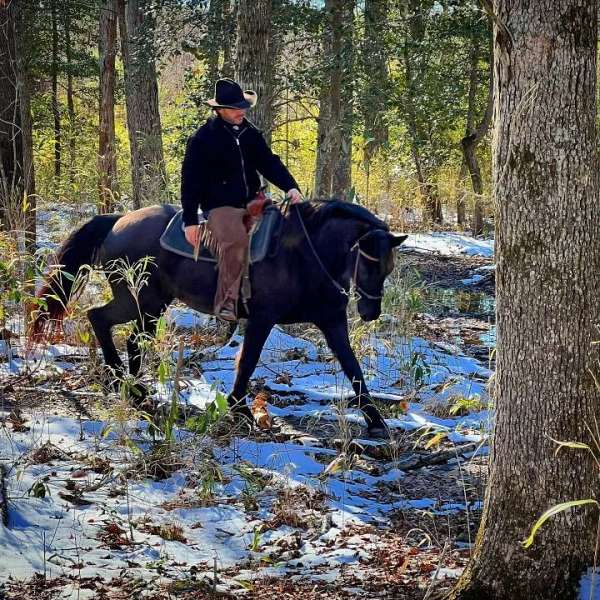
[
  {"x": 336, "y": 335},
  {"x": 257, "y": 332}
]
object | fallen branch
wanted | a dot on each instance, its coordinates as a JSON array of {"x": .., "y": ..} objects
[{"x": 437, "y": 458}]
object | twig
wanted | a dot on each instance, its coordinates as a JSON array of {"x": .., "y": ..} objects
[
  {"x": 3, "y": 497},
  {"x": 437, "y": 571}
]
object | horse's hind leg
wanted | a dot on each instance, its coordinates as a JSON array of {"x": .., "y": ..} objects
[
  {"x": 120, "y": 309},
  {"x": 337, "y": 338}
]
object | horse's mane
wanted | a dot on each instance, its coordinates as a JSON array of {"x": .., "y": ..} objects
[{"x": 316, "y": 212}]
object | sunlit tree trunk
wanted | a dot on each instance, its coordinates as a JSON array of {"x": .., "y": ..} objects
[
  {"x": 547, "y": 197},
  {"x": 107, "y": 159},
  {"x": 148, "y": 173}
]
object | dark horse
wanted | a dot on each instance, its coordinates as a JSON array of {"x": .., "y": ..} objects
[{"x": 324, "y": 247}]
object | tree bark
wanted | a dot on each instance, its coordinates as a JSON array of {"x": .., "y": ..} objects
[
  {"x": 148, "y": 173},
  {"x": 334, "y": 136},
  {"x": 107, "y": 158},
  {"x": 546, "y": 191},
  {"x": 342, "y": 168},
  {"x": 255, "y": 59}
]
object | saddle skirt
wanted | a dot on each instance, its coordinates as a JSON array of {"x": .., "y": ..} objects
[{"x": 264, "y": 237}]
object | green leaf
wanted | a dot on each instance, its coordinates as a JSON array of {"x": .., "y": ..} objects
[
  {"x": 163, "y": 371},
  {"x": 554, "y": 511},
  {"x": 222, "y": 403},
  {"x": 38, "y": 489}
]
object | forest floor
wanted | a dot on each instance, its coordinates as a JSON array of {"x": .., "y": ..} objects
[{"x": 102, "y": 504}]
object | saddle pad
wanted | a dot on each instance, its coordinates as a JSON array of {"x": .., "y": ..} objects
[
  {"x": 173, "y": 240},
  {"x": 261, "y": 237}
]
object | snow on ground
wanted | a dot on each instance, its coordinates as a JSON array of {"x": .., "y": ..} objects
[
  {"x": 449, "y": 243},
  {"x": 51, "y": 533},
  {"x": 77, "y": 507}
]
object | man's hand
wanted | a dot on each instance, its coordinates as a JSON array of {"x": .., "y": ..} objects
[
  {"x": 192, "y": 233},
  {"x": 294, "y": 195}
]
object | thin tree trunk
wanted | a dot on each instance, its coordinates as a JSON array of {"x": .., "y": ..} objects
[
  {"x": 325, "y": 150},
  {"x": 334, "y": 139},
  {"x": 29, "y": 206},
  {"x": 141, "y": 97},
  {"x": 255, "y": 59},
  {"x": 342, "y": 168},
  {"x": 70, "y": 103},
  {"x": 11, "y": 149},
  {"x": 433, "y": 208},
  {"x": 55, "y": 103},
  {"x": 474, "y": 135},
  {"x": 461, "y": 217},
  {"x": 376, "y": 72},
  {"x": 107, "y": 158},
  {"x": 546, "y": 178}
]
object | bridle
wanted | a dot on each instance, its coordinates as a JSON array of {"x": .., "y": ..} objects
[{"x": 353, "y": 281}]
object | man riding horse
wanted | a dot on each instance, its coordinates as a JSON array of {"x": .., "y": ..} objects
[{"x": 220, "y": 174}]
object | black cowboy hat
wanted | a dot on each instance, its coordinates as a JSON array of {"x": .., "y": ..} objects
[{"x": 229, "y": 94}]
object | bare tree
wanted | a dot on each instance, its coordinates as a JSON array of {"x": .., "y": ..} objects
[{"x": 546, "y": 180}]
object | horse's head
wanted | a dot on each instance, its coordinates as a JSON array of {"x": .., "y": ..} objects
[{"x": 372, "y": 261}]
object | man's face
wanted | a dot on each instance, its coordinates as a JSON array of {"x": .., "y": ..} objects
[{"x": 235, "y": 116}]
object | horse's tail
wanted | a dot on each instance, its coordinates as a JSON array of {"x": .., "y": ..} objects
[{"x": 79, "y": 249}]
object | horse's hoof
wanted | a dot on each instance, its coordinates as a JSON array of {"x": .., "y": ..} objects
[{"x": 379, "y": 432}]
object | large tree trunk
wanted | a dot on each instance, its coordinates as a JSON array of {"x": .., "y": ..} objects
[
  {"x": 546, "y": 191},
  {"x": 141, "y": 97},
  {"x": 107, "y": 158},
  {"x": 473, "y": 136},
  {"x": 334, "y": 136},
  {"x": 255, "y": 59}
]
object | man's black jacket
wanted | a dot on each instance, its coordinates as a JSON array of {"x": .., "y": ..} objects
[{"x": 220, "y": 168}]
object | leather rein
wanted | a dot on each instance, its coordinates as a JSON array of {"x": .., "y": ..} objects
[{"x": 353, "y": 281}]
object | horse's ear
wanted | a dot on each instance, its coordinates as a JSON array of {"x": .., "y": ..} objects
[{"x": 396, "y": 240}]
